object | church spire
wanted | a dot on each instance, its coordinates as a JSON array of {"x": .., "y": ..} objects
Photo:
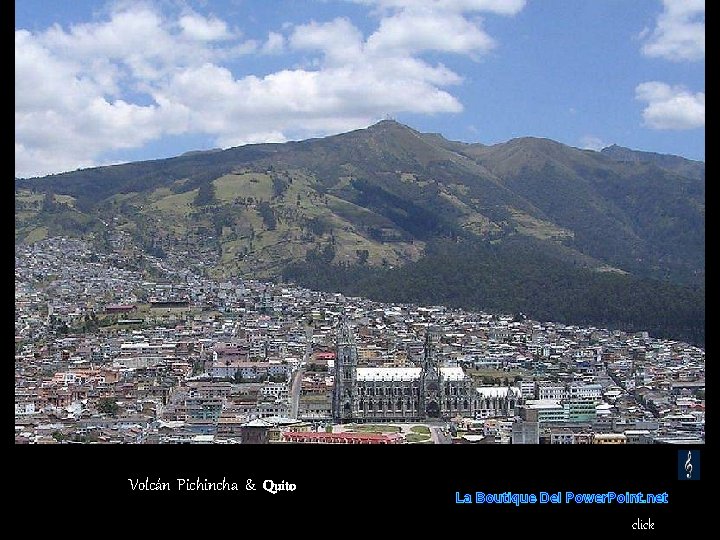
[
  {"x": 429, "y": 360},
  {"x": 344, "y": 334},
  {"x": 430, "y": 398},
  {"x": 346, "y": 359}
]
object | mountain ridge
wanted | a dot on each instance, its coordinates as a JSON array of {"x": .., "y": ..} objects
[
  {"x": 614, "y": 151},
  {"x": 669, "y": 162},
  {"x": 377, "y": 197}
]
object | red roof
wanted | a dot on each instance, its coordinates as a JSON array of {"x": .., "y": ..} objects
[{"x": 341, "y": 437}]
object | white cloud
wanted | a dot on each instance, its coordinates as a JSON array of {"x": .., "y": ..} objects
[
  {"x": 200, "y": 28},
  {"x": 501, "y": 7},
  {"x": 671, "y": 107},
  {"x": 275, "y": 43},
  {"x": 141, "y": 41},
  {"x": 141, "y": 74},
  {"x": 39, "y": 160},
  {"x": 591, "y": 142},
  {"x": 339, "y": 40},
  {"x": 414, "y": 31},
  {"x": 413, "y": 26},
  {"x": 254, "y": 138},
  {"x": 679, "y": 33}
]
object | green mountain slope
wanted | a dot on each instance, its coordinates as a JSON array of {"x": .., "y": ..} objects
[
  {"x": 520, "y": 275},
  {"x": 676, "y": 164},
  {"x": 376, "y": 197}
]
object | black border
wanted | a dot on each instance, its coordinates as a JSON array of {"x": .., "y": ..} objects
[
  {"x": 370, "y": 488},
  {"x": 401, "y": 482}
]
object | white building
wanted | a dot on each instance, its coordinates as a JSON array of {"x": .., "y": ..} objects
[
  {"x": 547, "y": 391},
  {"x": 495, "y": 401},
  {"x": 584, "y": 391}
]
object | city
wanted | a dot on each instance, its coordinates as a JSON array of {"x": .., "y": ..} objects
[{"x": 103, "y": 354}]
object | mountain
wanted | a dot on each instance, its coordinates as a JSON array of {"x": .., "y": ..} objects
[
  {"x": 676, "y": 164},
  {"x": 380, "y": 202}
]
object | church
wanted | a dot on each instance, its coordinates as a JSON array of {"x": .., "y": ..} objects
[{"x": 400, "y": 394}]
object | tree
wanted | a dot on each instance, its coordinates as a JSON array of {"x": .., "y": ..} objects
[
  {"x": 268, "y": 215},
  {"x": 108, "y": 406},
  {"x": 206, "y": 195},
  {"x": 48, "y": 202},
  {"x": 279, "y": 185}
]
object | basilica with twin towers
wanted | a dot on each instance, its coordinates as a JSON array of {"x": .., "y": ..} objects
[{"x": 403, "y": 394}]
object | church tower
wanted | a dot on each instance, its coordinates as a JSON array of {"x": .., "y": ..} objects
[
  {"x": 430, "y": 381},
  {"x": 345, "y": 374}
]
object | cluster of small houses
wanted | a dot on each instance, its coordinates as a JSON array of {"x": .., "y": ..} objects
[{"x": 105, "y": 355}]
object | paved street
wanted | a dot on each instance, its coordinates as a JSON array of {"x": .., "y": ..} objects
[
  {"x": 437, "y": 435},
  {"x": 295, "y": 391},
  {"x": 298, "y": 375}
]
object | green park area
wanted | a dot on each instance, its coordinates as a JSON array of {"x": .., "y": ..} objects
[
  {"x": 375, "y": 428},
  {"x": 418, "y": 434}
]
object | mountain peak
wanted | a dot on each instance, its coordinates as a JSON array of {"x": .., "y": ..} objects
[
  {"x": 388, "y": 123},
  {"x": 669, "y": 162},
  {"x": 383, "y": 196}
]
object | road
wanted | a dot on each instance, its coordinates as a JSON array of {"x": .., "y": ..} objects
[
  {"x": 437, "y": 435},
  {"x": 295, "y": 391},
  {"x": 298, "y": 375}
]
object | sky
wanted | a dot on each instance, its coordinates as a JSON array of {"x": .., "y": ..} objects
[{"x": 100, "y": 83}]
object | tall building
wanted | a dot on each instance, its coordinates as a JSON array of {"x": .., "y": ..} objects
[
  {"x": 400, "y": 394},
  {"x": 346, "y": 360}
]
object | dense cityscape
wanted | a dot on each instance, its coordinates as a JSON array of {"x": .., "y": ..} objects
[{"x": 124, "y": 347}]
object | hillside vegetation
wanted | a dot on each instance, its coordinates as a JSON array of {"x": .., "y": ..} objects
[{"x": 614, "y": 237}]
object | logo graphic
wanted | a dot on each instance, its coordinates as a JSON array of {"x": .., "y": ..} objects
[{"x": 689, "y": 465}]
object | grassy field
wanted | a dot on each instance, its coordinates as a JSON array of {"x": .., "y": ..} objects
[
  {"x": 543, "y": 230},
  {"x": 233, "y": 186},
  {"x": 417, "y": 437},
  {"x": 177, "y": 204},
  {"x": 478, "y": 224},
  {"x": 248, "y": 247},
  {"x": 27, "y": 196},
  {"x": 36, "y": 234},
  {"x": 375, "y": 428},
  {"x": 65, "y": 199},
  {"x": 120, "y": 197}
]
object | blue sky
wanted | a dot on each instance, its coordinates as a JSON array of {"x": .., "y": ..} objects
[{"x": 99, "y": 83}]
